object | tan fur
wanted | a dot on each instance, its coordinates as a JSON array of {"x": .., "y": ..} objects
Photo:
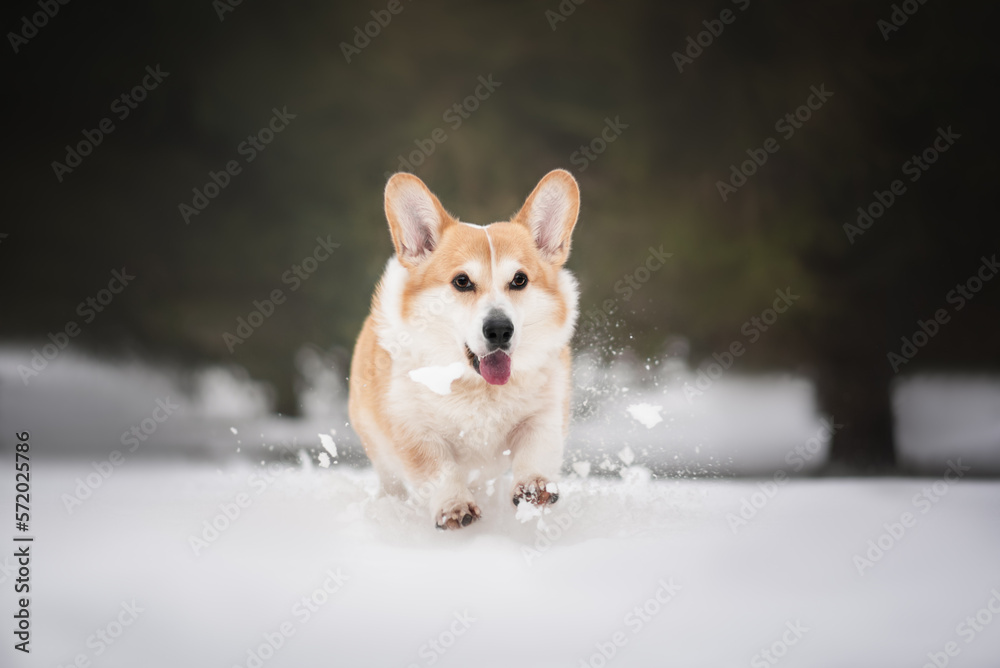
[{"x": 429, "y": 442}]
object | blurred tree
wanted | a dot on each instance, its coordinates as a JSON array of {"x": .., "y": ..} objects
[{"x": 559, "y": 85}]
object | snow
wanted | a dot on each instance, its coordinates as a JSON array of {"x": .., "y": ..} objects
[
  {"x": 326, "y": 440},
  {"x": 363, "y": 580},
  {"x": 955, "y": 414},
  {"x": 439, "y": 378},
  {"x": 525, "y": 512},
  {"x": 737, "y": 425},
  {"x": 647, "y": 415},
  {"x": 636, "y": 557}
]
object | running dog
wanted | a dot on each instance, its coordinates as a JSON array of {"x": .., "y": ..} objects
[{"x": 462, "y": 370}]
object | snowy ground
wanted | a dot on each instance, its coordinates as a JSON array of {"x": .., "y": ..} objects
[
  {"x": 219, "y": 539},
  {"x": 503, "y": 592}
]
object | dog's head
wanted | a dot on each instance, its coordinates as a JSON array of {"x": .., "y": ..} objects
[{"x": 495, "y": 296}]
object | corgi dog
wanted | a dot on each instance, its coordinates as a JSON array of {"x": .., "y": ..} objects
[{"x": 462, "y": 370}]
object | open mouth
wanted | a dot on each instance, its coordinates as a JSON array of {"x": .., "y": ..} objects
[{"x": 494, "y": 367}]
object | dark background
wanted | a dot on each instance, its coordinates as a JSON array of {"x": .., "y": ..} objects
[{"x": 654, "y": 185}]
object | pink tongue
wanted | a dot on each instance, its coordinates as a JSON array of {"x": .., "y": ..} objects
[{"x": 495, "y": 367}]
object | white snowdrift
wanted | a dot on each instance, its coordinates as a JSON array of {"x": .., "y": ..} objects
[{"x": 655, "y": 565}]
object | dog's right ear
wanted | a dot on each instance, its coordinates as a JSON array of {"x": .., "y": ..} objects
[{"x": 416, "y": 218}]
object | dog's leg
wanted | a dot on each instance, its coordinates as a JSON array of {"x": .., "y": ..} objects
[
  {"x": 431, "y": 467},
  {"x": 537, "y": 447},
  {"x": 454, "y": 505}
]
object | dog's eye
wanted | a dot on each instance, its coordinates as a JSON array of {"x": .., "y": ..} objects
[
  {"x": 462, "y": 283},
  {"x": 520, "y": 280}
]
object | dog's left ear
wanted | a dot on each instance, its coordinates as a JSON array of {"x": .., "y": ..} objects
[{"x": 550, "y": 213}]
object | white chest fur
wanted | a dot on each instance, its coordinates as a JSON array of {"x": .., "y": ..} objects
[{"x": 475, "y": 420}]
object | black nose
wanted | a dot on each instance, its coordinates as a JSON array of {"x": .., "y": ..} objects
[{"x": 497, "y": 329}]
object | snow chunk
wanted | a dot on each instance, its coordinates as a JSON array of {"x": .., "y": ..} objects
[
  {"x": 626, "y": 454},
  {"x": 636, "y": 476},
  {"x": 438, "y": 378},
  {"x": 327, "y": 441},
  {"x": 647, "y": 415},
  {"x": 582, "y": 469},
  {"x": 324, "y": 460},
  {"x": 527, "y": 511}
]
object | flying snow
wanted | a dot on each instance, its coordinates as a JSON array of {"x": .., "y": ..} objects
[
  {"x": 626, "y": 454},
  {"x": 327, "y": 441},
  {"x": 647, "y": 415},
  {"x": 438, "y": 378}
]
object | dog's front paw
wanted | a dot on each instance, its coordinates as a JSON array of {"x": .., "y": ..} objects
[
  {"x": 537, "y": 491},
  {"x": 457, "y": 514}
]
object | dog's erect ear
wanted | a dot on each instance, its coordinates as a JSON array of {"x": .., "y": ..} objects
[
  {"x": 550, "y": 213},
  {"x": 416, "y": 218}
]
